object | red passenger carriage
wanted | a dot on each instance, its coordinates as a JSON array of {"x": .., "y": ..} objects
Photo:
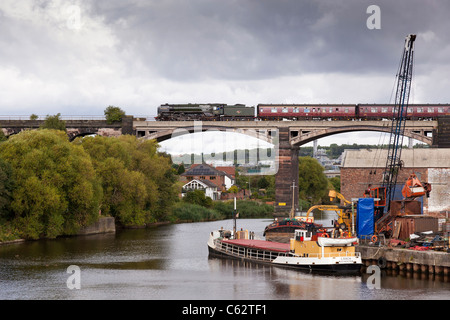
[
  {"x": 414, "y": 111},
  {"x": 305, "y": 111}
]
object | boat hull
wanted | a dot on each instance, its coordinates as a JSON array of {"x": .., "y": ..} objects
[{"x": 284, "y": 259}]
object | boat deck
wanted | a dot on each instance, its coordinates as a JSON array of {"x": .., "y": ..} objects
[{"x": 260, "y": 244}]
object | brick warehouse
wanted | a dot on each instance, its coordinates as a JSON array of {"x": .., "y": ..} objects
[{"x": 361, "y": 167}]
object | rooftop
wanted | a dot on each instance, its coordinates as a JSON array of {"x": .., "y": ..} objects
[
  {"x": 203, "y": 170},
  {"x": 412, "y": 158}
]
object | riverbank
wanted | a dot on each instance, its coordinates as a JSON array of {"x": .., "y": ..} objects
[{"x": 103, "y": 225}]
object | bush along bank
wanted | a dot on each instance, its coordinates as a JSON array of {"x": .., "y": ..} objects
[{"x": 219, "y": 210}]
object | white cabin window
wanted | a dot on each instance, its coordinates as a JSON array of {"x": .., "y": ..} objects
[{"x": 306, "y": 235}]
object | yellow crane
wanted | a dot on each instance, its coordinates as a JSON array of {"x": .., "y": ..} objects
[{"x": 346, "y": 218}]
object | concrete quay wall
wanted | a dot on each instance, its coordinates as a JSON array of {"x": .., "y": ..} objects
[
  {"x": 406, "y": 259},
  {"x": 103, "y": 225}
]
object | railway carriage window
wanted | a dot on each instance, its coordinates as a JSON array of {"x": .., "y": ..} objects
[
  {"x": 346, "y": 110},
  {"x": 331, "y": 110},
  {"x": 295, "y": 110},
  {"x": 374, "y": 109},
  {"x": 419, "y": 109},
  {"x": 431, "y": 109},
  {"x": 410, "y": 110},
  {"x": 306, "y": 110},
  {"x": 284, "y": 110},
  {"x": 384, "y": 110},
  {"x": 274, "y": 110},
  {"x": 440, "y": 110},
  {"x": 314, "y": 109}
]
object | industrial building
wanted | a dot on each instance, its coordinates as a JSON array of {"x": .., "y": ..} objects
[{"x": 366, "y": 166}]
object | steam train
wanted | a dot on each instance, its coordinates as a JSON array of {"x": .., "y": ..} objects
[
  {"x": 224, "y": 112},
  {"x": 205, "y": 112}
]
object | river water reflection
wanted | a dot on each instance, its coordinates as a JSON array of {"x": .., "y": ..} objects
[{"x": 171, "y": 262}]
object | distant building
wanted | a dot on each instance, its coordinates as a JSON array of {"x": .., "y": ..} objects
[
  {"x": 208, "y": 187},
  {"x": 363, "y": 167},
  {"x": 205, "y": 172}
]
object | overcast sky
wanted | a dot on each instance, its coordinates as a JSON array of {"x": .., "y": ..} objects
[{"x": 78, "y": 57}]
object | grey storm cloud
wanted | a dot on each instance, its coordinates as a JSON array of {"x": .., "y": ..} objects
[
  {"x": 196, "y": 39},
  {"x": 80, "y": 56}
]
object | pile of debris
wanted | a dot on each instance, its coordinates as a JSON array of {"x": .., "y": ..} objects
[{"x": 422, "y": 241}]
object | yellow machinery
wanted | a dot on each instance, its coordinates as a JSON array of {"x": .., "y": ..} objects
[{"x": 347, "y": 215}]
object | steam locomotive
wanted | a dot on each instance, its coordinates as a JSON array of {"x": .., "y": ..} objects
[
  {"x": 224, "y": 112},
  {"x": 205, "y": 112}
]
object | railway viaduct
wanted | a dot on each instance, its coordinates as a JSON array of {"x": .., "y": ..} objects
[{"x": 286, "y": 136}]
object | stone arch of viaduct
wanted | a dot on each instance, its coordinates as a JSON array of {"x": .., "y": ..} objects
[
  {"x": 288, "y": 136},
  {"x": 297, "y": 137}
]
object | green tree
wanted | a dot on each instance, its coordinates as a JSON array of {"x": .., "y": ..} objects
[
  {"x": 198, "y": 197},
  {"x": 114, "y": 114},
  {"x": 263, "y": 182},
  {"x": 138, "y": 183},
  {"x": 56, "y": 191},
  {"x": 181, "y": 169},
  {"x": 6, "y": 188},
  {"x": 313, "y": 184},
  {"x": 336, "y": 183},
  {"x": 54, "y": 122}
]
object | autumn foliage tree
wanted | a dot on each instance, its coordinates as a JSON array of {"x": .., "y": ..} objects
[
  {"x": 137, "y": 182},
  {"x": 56, "y": 191},
  {"x": 51, "y": 187}
]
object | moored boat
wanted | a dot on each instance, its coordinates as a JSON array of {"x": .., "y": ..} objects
[
  {"x": 306, "y": 250},
  {"x": 282, "y": 230}
]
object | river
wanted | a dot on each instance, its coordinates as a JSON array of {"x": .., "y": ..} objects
[{"x": 170, "y": 262}]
